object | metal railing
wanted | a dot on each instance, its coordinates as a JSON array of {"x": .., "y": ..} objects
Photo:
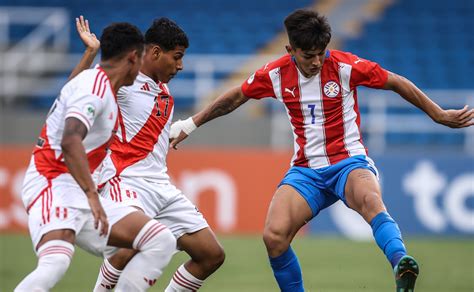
[
  {"x": 41, "y": 50},
  {"x": 38, "y": 65}
]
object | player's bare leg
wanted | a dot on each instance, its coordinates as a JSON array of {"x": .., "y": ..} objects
[
  {"x": 287, "y": 213},
  {"x": 363, "y": 194},
  {"x": 55, "y": 251},
  {"x": 155, "y": 244},
  {"x": 207, "y": 255}
]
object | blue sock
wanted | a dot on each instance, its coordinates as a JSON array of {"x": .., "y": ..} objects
[
  {"x": 287, "y": 271},
  {"x": 388, "y": 237}
]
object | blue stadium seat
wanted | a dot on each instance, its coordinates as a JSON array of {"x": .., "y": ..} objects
[
  {"x": 213, "y": 26},
  {"x": 429, "y": 43}
]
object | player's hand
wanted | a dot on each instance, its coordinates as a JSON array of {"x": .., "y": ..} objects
[
  {"x": 100, "y": 218},
  {"x": 177, "y": 134},
  {"x": 89, "y": 39},
  {"x": 175, "y": 141},
  {"x": 180, "y": 130},
  {"x": 457, "y": 118}
]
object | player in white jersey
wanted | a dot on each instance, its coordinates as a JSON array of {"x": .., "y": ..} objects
[
  {"x": 135, "y": 173},
  {"x": 59, "y": 193},
  {"x": 318, "y": 89}
]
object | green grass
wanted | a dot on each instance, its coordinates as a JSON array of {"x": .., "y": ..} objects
[{"x": 328, "y": 265}]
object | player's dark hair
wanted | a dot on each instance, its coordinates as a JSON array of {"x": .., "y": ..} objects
[
  {"x": 307, "y": 30},
  {"x": 167, "y": 34},
  {"x": 119, "y": 38}
]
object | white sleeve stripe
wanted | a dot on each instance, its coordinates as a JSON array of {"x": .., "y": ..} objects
[
  {"x": 80, "y": 117},
  {"x": 276, "y": 83}
]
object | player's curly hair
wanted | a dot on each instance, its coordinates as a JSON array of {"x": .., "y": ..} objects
[
  {"x": 308, "y": 30},
  {"x": 119, "y": 38},
  {"x": 167, "y": 34}
]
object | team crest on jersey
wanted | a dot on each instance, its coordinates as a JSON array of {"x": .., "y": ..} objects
[
  {"x": 251, "y": 78},
  {"x": 40, "y": 142},
  {"x": 331, "y": 89},
  {"x": 89, "y": 110}
]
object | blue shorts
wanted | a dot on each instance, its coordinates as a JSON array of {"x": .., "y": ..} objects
[{"x": 322, "y": 187}]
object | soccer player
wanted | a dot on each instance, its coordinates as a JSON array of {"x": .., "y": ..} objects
[
  {"x": 59, "y": 193},
  {"x": 319, "y": 90},
  {"x": 135, "y": 172}
]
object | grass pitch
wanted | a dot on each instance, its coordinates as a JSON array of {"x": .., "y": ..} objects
[{"x": 329, "y": 264}]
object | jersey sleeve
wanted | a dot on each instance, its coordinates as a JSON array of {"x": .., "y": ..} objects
[
  {"x": 367, "y": 73},
  {"x": 258, "y": 85},
  {"x": 83, "y": 106}
]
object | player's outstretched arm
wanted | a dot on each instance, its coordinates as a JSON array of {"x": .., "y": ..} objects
[
  {"x": 91, "y": 43},
  {"x": 76, "y": 161},
  {"x": 453, "y": 118},
  {"x": 223, "y": 105}
]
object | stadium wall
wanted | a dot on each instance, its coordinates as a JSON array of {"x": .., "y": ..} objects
[{"x": 427, "y": 194}]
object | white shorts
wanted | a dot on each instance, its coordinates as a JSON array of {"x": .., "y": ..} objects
[
  {"x": 161, "y": 201},
  {"x": 46, "y": 215}
]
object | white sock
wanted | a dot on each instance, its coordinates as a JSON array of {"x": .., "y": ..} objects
[
  {"x": 183, "y": 281},
  {"x": 107, "y": 278},
  {"x": 54, "y": 258},
  {"x": 156, "y": 244}
]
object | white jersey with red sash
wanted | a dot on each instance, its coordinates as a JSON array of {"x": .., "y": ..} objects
[
  {"x": 90, "y": 99},
  {"x": 141, "y": 143}
]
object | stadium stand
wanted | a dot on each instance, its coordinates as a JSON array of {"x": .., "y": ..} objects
[
  {"x": 427, "y": 41},
  {"x": 234, "y": 28}
]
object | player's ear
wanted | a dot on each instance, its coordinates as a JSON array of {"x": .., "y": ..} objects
[
  {"x": 156, "y": 51},
  {"x": 133, "y": 56},
  {"x": 289, "y": 49}
]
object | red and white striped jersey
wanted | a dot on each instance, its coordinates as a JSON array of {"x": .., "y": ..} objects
[
  {"x": 323, "y": 109},
  {"x": 141, "y": 143},
  {"x": 89, "y": 98}
]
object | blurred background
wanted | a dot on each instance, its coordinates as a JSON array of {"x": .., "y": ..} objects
[{"x": 231, "y": 167}]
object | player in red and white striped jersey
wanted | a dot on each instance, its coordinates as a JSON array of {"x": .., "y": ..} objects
[
  {"x": 135, "y": 172},
  {"x": 319, "y": 90},
  {"x": 58, "y": 191}
]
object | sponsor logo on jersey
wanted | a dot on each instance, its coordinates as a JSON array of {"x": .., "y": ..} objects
[
  {"x": 251, "y": 78},
  {"x": 145, "y": 87},
  {"x": 331, "y": 89},
  {"x": 292, "y": 91}
]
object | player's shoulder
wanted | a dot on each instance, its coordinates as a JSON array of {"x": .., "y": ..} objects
[
  {"x": 341, "y": 56},
  {"x": 142, "y": 86},
  {"x": 347, "y": 58},
  {"x": 275, "y": 64},
  {"x": 91, "y": 75},
  {"x": 93, "y": 81}
]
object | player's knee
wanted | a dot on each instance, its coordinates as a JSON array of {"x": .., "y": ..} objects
[
  {"x": 56, "y": 255},
  {"x": 156, "y": 236},
  {"x": 372, "y": 204},
  {"x": 120, "y": 259},
  {"x": 167, "y": 241},
  {"x": 57, "y": 263},
  {"x": 216, "y": 258},
  {"x": 275, "y": 242},
  {"x": 54, "y": 258}
]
